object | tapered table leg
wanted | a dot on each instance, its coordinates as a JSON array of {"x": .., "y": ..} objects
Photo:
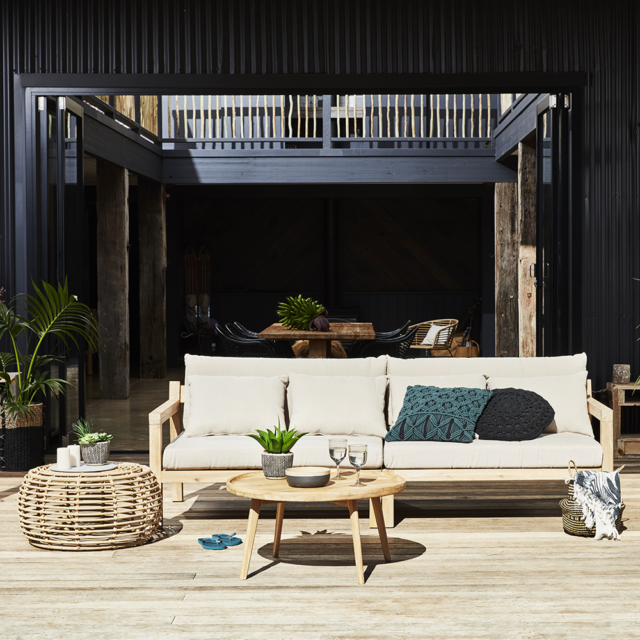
[
  {"x": 382, "y": 529},
  {"x": 357, "y": 543},
  {"x": 254, "y": 515},
  {"x": 278, "y": 534}
]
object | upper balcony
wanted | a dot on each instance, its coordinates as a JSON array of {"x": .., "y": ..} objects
[{"x": 452, "y": 133}]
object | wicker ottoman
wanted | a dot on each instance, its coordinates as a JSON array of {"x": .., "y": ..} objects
[{"x": 90, "y": 511}]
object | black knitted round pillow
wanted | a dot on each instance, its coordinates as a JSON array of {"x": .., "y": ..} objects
[{"x": 514, "y": 414}]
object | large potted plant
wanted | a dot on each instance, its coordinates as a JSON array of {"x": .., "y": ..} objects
[
  {"x": 277, "y": 456},
  {"x": 39, "y": 329}
]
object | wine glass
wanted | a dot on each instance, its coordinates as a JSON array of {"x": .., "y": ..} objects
[
  {"x": 358, "y": 458},
  {"x": 338, "y": 452}
]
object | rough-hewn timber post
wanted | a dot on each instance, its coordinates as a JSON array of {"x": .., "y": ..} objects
[
  {"x": 153, "y": 285},
  {"x": 527, "y": 249},
  {"x": 506, "y": 226},
  {"x": 113, "y": 279}
]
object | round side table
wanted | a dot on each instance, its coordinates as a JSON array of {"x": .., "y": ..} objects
[{"x": 90, "y": 511}]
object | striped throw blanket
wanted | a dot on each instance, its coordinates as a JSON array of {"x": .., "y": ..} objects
[{"x": 598, "y": 493}]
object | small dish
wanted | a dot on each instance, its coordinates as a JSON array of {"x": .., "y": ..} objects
[{"x": 308, "y": 477}]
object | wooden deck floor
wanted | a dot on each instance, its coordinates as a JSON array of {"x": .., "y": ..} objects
[{"x": 484, "y": 562}]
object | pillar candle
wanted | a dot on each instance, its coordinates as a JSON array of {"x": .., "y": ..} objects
[
  {"x": 74, "y": 454},
  {"x": 64, "y": 459}
]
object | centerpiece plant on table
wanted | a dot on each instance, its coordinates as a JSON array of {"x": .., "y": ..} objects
[
  {"x": 304, "y": 314},
  {"x": 93, "y": 446},
  {"x": 40, "y": 329},
  {"x": 277, "y": 456}
]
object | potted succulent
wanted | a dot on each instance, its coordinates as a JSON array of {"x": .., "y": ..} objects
[
  {"x": 39, "y": 329},
  {"x": 94, "y": 447},
  {"x": 277, "y": 456}
]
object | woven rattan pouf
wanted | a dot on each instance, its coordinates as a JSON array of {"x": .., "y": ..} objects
[{"x": 90, "y": 511}]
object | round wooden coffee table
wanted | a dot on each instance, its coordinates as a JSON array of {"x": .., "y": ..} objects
[{"x": 264, "y": 491}]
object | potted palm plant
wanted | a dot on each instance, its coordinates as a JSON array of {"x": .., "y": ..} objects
[
  {"x": 277, "y": 456},
  {"x": 39, "y": 329}
]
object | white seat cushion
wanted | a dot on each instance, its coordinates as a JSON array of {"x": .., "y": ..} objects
[
  {"x": 550, "y": 450},
  {"x": 337, "y": 405},
  {"x": 398, "y": 386},
  {"x": 566, "y": 394},
  {"x": 504, "y": 367},
  {"x": 234, "y": 405},
  {"x": 241, "y": 452}
]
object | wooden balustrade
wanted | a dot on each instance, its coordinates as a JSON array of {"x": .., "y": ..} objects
[{"x": 436, "y": 118}]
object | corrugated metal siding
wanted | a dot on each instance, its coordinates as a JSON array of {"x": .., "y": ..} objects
[{"x": 337, "y": 37}]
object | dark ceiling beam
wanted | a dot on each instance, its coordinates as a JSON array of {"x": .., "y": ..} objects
[{"x": 142, "y": 84}]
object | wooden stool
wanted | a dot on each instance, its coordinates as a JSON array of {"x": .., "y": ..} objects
[{"x": 90, "y": 511}]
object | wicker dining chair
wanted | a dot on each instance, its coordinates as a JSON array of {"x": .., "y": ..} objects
[
  {"x": 355, "y": 348},
  {"x": 440, "y": 332}
]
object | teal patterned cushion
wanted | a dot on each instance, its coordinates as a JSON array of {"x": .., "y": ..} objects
[{"x": 434, "y": 413}]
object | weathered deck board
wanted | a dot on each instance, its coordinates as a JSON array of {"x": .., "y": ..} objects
[{"x": 486, "y": 561}]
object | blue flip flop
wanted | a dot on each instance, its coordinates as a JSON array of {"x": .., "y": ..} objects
[
  {"x": 213, "y": 543},
  {"x": 229, "y": 540}
]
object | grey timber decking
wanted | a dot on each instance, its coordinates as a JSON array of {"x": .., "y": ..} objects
[{"x": 486, "y": 561}]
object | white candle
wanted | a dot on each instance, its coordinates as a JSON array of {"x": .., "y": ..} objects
[
  {"x": 74, "y": 454},
  {"x": 64, "y": 459}
]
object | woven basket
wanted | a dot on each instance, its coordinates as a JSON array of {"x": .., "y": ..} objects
[
  {"x": 572, "y": 519},
  {"x": 22, "y": 441},
  {"x": 467, "y": 352}
]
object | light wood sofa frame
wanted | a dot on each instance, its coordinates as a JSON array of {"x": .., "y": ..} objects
[{"x": 171, "y": 411}]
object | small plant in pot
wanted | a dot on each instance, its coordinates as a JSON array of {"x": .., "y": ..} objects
[
  {"x": 93, "y": 446},
  {"x": 277, "y": 456}
]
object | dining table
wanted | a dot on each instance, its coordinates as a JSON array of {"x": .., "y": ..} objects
[{"x": 320, "y": 341}]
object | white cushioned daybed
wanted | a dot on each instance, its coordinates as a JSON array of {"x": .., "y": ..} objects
[{"x": 360, "y": 398}]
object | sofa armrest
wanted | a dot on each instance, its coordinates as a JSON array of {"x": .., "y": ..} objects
[
  {"x": 605, "y": 415},
  {"x": 170, "y": 410}
]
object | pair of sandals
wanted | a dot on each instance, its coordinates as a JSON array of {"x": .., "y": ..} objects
[{"x": 219, "y": 541}]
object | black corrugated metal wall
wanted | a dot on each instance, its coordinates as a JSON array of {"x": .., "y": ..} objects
[{"x": 361, "y": 37}]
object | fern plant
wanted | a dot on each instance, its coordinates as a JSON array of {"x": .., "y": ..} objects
[
  {"x": 278, "y": 441},
  {"x": 39, "y": 328}
]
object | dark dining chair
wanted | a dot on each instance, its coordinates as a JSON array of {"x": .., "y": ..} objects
[
  {"x": 236, "y": 346},
  {"x": 396, "y": 346},
  {"x": 282, "y": 348},
  {"x": 356, "y": 348}
]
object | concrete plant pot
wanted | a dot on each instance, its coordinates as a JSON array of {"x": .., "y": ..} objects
[
  {"x": 95, "y": 454},
  {"x": 274, "y": 465}
]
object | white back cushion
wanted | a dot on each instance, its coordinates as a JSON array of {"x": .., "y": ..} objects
[
  {"x": 337, "y": 405},
  {"x": 234, "y": 405},
  {"x": 268, "y": 367},
  {"x": 566, "y": 394},
  {"x": 398, "y": 386},
  {"x": 503, "y": 367}
]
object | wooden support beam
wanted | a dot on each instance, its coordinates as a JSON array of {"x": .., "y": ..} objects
[
  {"x": 527, "y": 250},
  {"x": 113, "y": 279},
  {"x": 153, "y": 285},
  {"x": 506, "y": 230}
]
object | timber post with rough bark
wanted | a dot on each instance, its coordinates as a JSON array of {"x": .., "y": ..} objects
[
  {"x": 113, "y": 279},
  {"x": 506, "y": 261},
  {"x": 527, "y": 200},
  {"x": 153, "y": 284}
]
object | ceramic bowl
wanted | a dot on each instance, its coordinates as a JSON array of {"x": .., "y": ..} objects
[{"x": 308, "y": 477}]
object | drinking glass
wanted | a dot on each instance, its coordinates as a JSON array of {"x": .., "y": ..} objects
[
  {"x": 358, "y": 458},
  {"x": 338, "y": 452}
]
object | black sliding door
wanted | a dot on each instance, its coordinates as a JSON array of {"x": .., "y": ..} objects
[
  {"x": 557, "y": 279},
  {"x": 60, "y": 197}
]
